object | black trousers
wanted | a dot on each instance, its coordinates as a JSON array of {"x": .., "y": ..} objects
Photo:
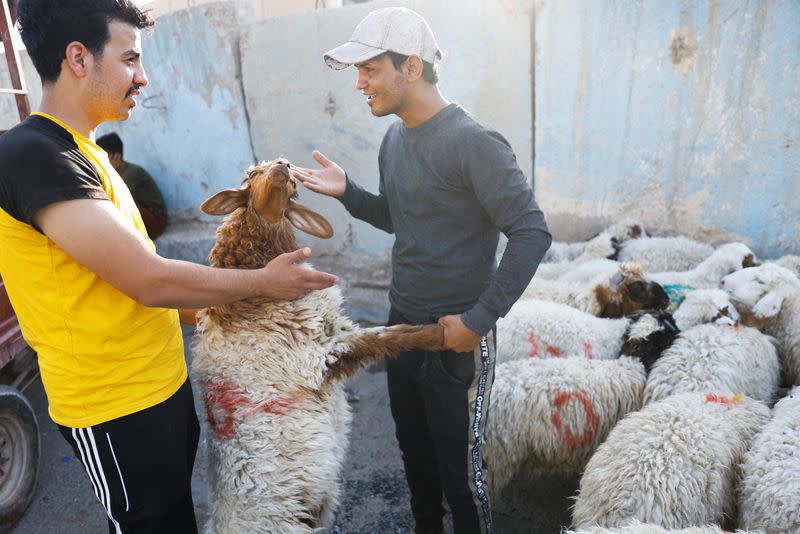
[
  {"x": 140, "y": 466},
  {"x": 440, "y": 402}
]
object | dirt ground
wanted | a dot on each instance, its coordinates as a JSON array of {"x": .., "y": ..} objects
[{"x": 375, "y": 496}]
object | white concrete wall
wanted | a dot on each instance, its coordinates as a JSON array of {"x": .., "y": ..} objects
[
  {"x": 254, "y": 8},
  {"x": 295, "y": 103}
]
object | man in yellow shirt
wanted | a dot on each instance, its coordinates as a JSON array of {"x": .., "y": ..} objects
[{"x": 93, "y": 298}]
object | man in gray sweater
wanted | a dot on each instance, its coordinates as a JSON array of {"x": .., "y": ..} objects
[{"x": 448, "y": 186}]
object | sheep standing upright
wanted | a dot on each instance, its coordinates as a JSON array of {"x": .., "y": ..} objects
[
  {"x": 672, "y": 464},
  {"x": 768, "y": 297},
  {"x": 271, "y": 370},
  {"x": 769, "y": 495}
]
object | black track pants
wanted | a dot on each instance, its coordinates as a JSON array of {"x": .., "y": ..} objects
[
  {"x": 440, "y": 402},
  {"x": 140, "y": 466}
]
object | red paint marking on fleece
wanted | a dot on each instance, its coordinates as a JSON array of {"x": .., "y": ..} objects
[
  {"x": 721, "y": 399},
  {"x": 565, "y": 433},
  {"x": 534, "y": 353},
  {"x": 587, "y": 350},
  {"x": 555, "y": 351},
  {"x": 225, "y": 398}
]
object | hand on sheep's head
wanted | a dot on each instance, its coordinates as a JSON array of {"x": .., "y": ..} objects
[
  {"x": 329, "y": 180},
  {"x": 457, "y": 337},
  {"x": 270, "y": 191}
]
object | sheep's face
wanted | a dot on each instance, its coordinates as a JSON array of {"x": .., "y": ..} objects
[
  {"x": 706, "y": 306},
  {"x": 739, "y": 254},
  {"x": 760, "y": 289},
  {"x": 648, "y": 336},
  {"x": 270, "y": 190},
  {"x": 628, "y": 292}
]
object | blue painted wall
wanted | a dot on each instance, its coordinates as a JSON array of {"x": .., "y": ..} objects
[{"x": 684, "y": 114}]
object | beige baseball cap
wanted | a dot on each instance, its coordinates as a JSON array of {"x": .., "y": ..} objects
[{"x": 390, "y": 29}]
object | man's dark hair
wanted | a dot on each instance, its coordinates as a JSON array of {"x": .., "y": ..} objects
[
  {"x": 430, "y": 72},
  {"x": 111, "y": 143},
  {"x": 48, "y": 26}
]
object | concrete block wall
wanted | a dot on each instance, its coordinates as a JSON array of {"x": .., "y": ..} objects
[{"x": 683, "y": 114}]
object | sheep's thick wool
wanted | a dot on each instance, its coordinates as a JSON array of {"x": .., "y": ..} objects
[
  {"x": 641, "y": 528},
  {"x": 721, "y": 358},
  {"x": 542, "y": 329},
  {"x": 769, "y": 495},
  {"x": 673, "y": 464},
  {"x": 277, "y": 442},
  {"x": 768, "y": 296},
  {"x": 658, "y": 254},
  {"x": 550, "y": 415}
]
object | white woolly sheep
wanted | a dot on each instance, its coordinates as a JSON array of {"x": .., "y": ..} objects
[
  {"x": 551, "y": 414},
  {"x": 672, "y": 464},
  {"x": 768, "y": 297},
  {"x": 604, "y": 245},
  {"x": 270, "y": 370},
  {"x": 659, "y": 254},
  {"x": 790, "y": 262},
  {"x": 641, "y": 528},
  {"x": 769, "y": 494},
  {"x": 722, "y": 358},
  {"x": 705, "y": 306},
  {"x": 544, "y": 329},
  {"x": 726, "y": 259},
  {"x": 624, "y": 293}
]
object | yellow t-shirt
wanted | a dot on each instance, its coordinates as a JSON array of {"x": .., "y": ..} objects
[{"x": 102, "y": 355}]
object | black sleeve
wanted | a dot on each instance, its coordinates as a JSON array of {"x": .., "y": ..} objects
[{"x": 38, "y": 171}]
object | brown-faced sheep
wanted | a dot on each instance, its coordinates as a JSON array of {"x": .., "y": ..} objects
[{"x": 271, "y": 370}]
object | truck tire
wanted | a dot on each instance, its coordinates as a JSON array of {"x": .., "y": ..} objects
[{"x": 19, "y": 455}]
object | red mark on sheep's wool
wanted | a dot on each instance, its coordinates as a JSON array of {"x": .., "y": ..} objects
[
  {"x": 553, "y": 351},
  {"x": 590, "y": 427},
  {"x": 534, "y": 353},
  {"x": 725, "y": 401},
  {"x": 224, "y": 399},
  {"x": 587, "y": 350}
]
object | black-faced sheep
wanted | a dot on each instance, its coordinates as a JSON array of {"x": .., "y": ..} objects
[{"x": 271, "y": 370}]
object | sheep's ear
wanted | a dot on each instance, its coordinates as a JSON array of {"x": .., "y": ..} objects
[
  {"x": 226, "y": 201},
  {"x": 308, "y": 220},
  {"x": 769, "y": 306}
]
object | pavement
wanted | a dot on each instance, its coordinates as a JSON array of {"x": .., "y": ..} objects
[{"x": 375, "y": 496}]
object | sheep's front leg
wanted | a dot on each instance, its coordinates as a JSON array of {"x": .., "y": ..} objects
[{"x": 369, "y": 346}]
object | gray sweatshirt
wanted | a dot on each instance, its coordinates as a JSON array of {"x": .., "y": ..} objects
[{"x": 447, "y": 188}]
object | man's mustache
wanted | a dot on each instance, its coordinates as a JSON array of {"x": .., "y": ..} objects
[{"x": 132, "y": 89}]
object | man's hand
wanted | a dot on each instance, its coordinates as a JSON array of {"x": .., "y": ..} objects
[
  {"x": 329, "y": 180},
  {"x": 457, "y": 337},
  {"x": 286, "y": 279}
]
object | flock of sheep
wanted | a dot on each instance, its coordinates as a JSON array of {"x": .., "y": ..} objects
[
  {"x": 649, "y": 364},
  {"x": 655, "y": 374}
]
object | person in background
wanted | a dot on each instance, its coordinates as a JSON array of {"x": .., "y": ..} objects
[
  {"x": 448, "y": 186},
  {"x": 143, "y": 188}
]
